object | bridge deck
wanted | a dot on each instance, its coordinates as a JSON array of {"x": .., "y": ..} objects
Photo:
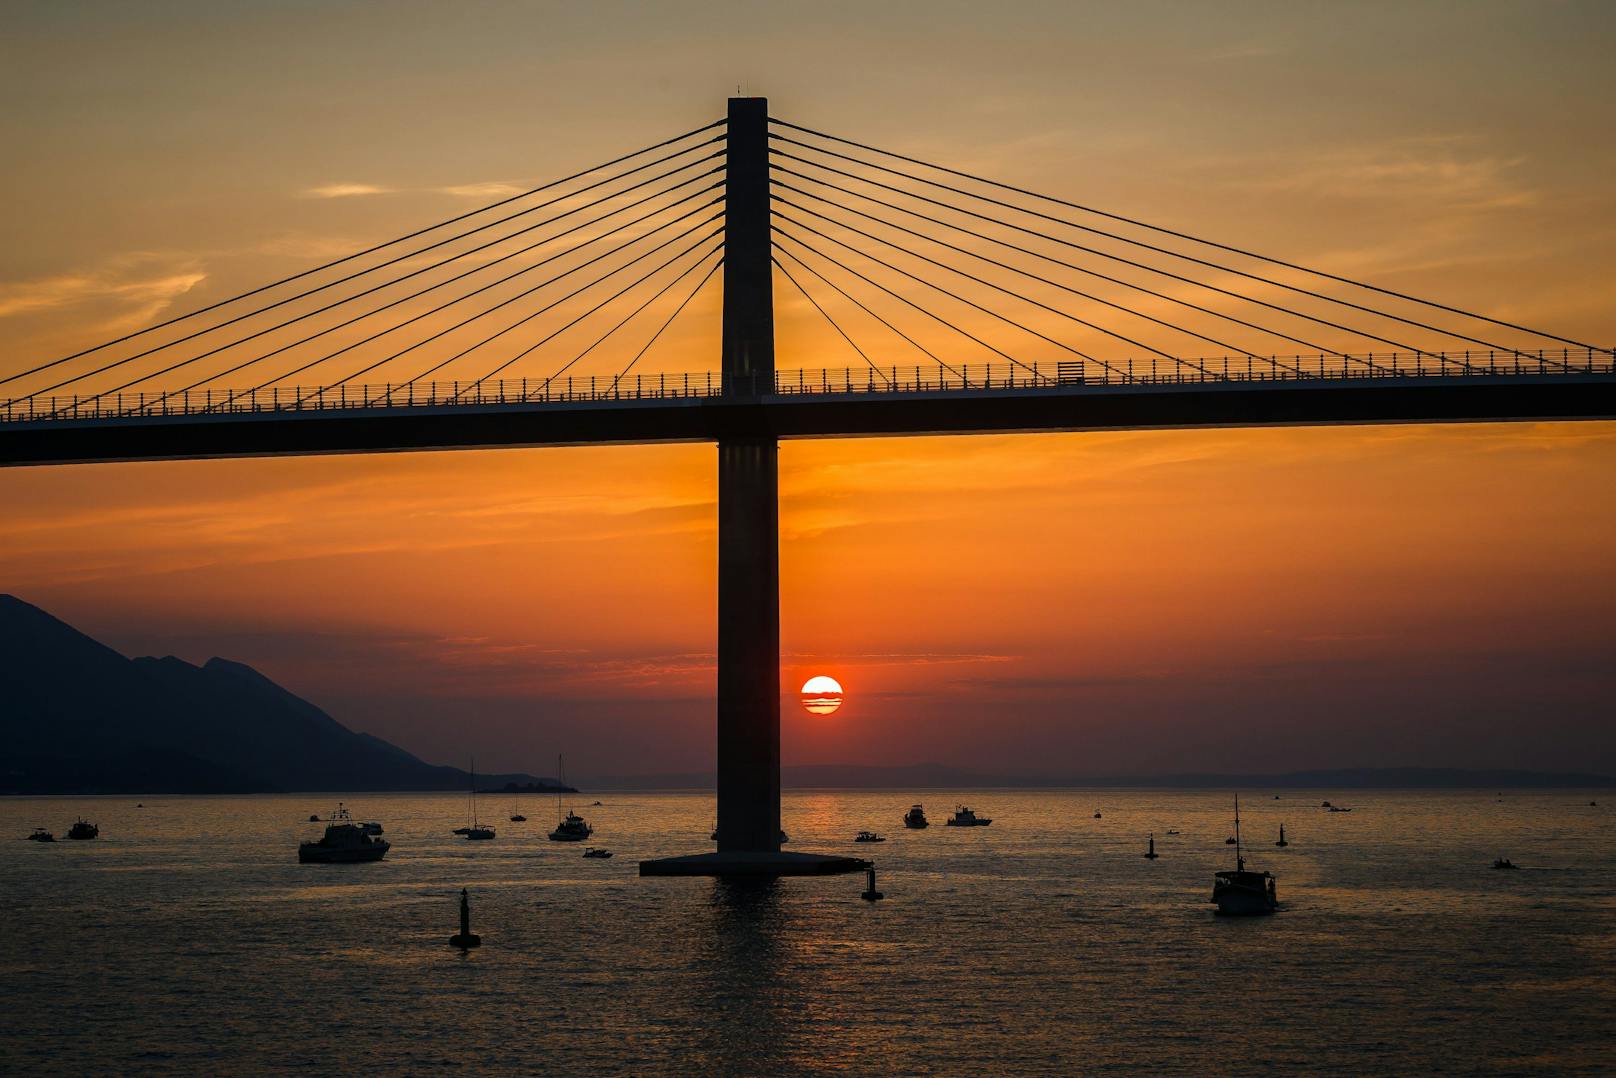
[{"x": 911, "y": 401}]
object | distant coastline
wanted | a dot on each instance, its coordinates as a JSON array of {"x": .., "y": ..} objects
[{"x": 941, "y": 776}]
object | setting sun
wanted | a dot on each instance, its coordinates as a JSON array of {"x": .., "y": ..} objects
[{"x": 821, "y": 695}]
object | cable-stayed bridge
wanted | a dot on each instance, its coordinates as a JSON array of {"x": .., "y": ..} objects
[{"x": 924, "y": 300}]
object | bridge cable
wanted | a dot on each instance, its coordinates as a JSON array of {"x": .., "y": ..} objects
[
  {"x": 1137, "y": 265},
  {"x": 385, "y": 284},
  {"x": 658, "y": 294},
  {"x": 1049, "y": 258},
  {"x": 676, "y": 312},
  {"x": 832, "y": 321},
  {"x": 390, "y": 243},
  {"x": 961, "y": 374},
  {"x": 903, "y": 299},
  {"x": 421, "y": 292},
  {"x": 954, "y": 295},
  {"x": 1168, "y": 232},
  {"x": 551, "y": 306},
  {"x": 1017, "y": 295},
  {"x": 503, "y": 303}
]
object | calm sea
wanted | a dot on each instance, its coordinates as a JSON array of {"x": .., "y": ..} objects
[{"x": 187, "y": 939}]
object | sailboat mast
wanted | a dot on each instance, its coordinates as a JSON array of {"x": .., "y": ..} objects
[{"x": 1239, "y": 857}]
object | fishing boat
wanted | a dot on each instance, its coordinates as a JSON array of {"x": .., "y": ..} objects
[
  {"x": 915, "y": 818},
  {"x": 964, "y": 817},
  {"x": 344, "y": 843},
  {"x": 83, "y": 830},
  {"x": 597, "y": 852},
  {"x": 1240, "y": 893},
  {"x": 869, "y": 836},
  {"x": 41, "y": 835},
  {"x": 570, "y": 828},
  {"x": 1505, "y": 863},
  {"x": 476, "y": 831}
]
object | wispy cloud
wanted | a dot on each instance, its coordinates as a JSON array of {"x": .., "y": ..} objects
[
  {"x": 493, "y": 189},
  {"x": 346, "y": 190},
  {"x": 136, "y": 289}
]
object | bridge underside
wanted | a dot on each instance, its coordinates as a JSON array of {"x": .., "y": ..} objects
[{"x": 1457, "y": 399}]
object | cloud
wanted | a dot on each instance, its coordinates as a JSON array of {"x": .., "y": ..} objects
[
  {"x": 346, "y": 190},
  {"x": 136, "y": 290},
  {"x": 493, "y": 189}
]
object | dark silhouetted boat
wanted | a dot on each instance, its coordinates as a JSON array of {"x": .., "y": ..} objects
[
  {"x": 83, "y": 830},
  {"x": 869, "y": 836},
  {"x": 964, "y": 817},
  {"x": 572, "y": 827},
  {"x": 1097, "y": 815},
  {"x": 597, "y": 852},
  {"x": 476, "y": 832},
  {"x": 915, "y": 818},
  {"x": 1505, "y": 863},
  {"x": 1240, "y": 893},
  {"x": 41, "y": 835},
  {"x": 345, "y": 842}
]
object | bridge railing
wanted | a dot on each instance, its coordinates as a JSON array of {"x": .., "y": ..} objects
[{"x": 862, "y": 381}]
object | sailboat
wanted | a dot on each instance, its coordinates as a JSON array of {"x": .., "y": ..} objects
[
  {"x": 1241, "y": 893},
  {"x": 476, "y": 830},
  {"x": 516, "y": 805},
  {"x": 572, "y": 827}
]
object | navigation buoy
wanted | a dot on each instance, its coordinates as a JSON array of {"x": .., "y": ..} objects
[
  {"x": 1151, "y": 853},
  {"x": 870, "y": 893},
  {"x": 1282, "y": 841},
  {"x": 465, "y": 939}
]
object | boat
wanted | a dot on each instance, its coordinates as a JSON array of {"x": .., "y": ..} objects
[
  {"x": 476, "y": 832},
  {"x": 41, "y": 835},
  {"x": 516, "y": 808},
  {"x": 314, "y": 817},
  {"x": 1241, "y": 893},
  {"x": 1338, "y": 808},
  {"x": 1097, "y": 815},
  {"x": 1150, "y": 852},
  {"x": 572, "y": 827},
  {"x": 344, "y": 843},
  {"x": 869, "y": 836},
  {"x": 595, "y": 804},
  {"x": 964, "y": 817},
  {"x": 1505, "y": 863},
  {"x": 83, "y": 830},
  {"x": 1230, "y": 841},
  {"x": 1325, "y": 805},
  {"x": 915, "y": 818},
  {"x": 1175, "y": 832},
  {"x": 596, "y": 851},
  {"x": 1282, "y": 841}
]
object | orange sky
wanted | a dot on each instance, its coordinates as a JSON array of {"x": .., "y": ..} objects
[{"x": 1048, "y": 604}]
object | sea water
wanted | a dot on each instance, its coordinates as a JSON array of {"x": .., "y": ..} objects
[{"x": 188, "y": 939}]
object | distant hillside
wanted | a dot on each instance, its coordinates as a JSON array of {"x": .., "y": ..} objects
[
  {"x": 77, "y": 717},
  {"x": 942, "y": 777}
]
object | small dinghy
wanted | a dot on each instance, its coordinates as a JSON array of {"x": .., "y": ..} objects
[{"x": 869, "y": 836}]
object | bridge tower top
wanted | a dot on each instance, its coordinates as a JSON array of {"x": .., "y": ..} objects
[{"x": 748, "y": 348}]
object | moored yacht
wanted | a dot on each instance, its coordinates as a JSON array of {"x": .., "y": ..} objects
[
  {"x": 915, "y": 818},
  {"x": 964, "y": 817},
  {"x": 344, "y": 842},
  {"x": 572, "y": 827},
  {"x": 83, "y": 829},
  {"x": 475, "y": 831},
  {"x": 1241, "y": 893},
  {"x": 41, "y": 835}
]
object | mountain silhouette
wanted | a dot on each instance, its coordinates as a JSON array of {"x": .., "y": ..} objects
[{"x": 78, "y": 717}]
